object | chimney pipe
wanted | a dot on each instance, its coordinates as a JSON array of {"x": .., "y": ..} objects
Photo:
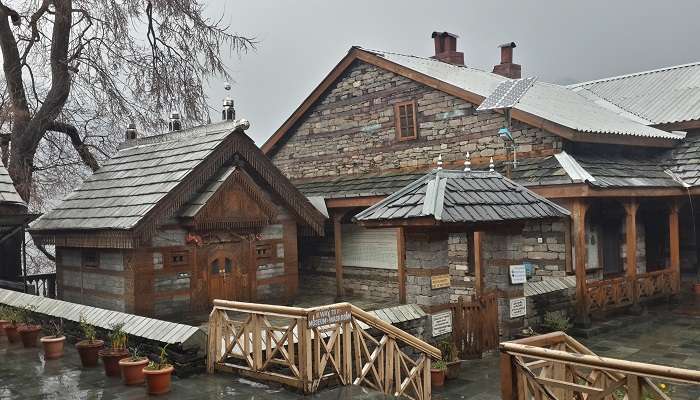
[
  {"x": 446, "y": 48},
  {"x": 506, "y": 67},
  {"x": 175, "y": 123},
  {"x": 131, "y": 133},
  {"x": 228, "y": 113}
]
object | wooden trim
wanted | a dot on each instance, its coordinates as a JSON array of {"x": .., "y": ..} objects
[
  {"x": 93, "y": 270},
  {"x": 356, "y": 53},
  {"x": 167, "y": 294},
  {"x": 477, "y": 238},
  {"x": 92, "y": 292},
  {"x": 631, "y": 206},
  {"x": 427, "y": 272},
  {"x": 578, "y": 190},
  {"x": 674, "y": 242},
  {"x": 354, "y": 202},
  {"x": 338, "y": 251},
  {"x": 401, "y": 253},
  {"x": 397, "y": 120},
  {"x": 679, "y": 126},
  {"x": 579, "y": 208}
]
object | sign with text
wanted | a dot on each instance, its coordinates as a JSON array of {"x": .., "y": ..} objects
[
  {"x": 442, "y": 323},
  {"x": 518, "y": 307},
  {"x": 440, "y": 281},
  {"x": 328, "y": 316},
  {"x": 517, "y": 274}
]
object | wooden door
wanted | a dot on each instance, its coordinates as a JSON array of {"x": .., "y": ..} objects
[{"x": 228, "y": 268}]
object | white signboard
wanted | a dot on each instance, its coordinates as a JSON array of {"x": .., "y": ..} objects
[
  {"x": 517, "y": 274},
  {"x": 442, "y": 323},
  {"x": 518, "y": 307}
]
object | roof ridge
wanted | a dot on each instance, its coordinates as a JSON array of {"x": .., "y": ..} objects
[
  {"x": 633, "y": 74},
  {"x": 202, "y": 129},
  {"x": 380, "y": 52}
]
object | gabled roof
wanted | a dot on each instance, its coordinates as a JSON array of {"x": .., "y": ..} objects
[
  {"x": 656, "y": 97},
  {"x": 150, "y": 179},
  {"x": 8, "y": 193},
  {"x": 462, "y": 197},
  {"x": 555, "y": 108},
  {"x": 598, "y": 171},
  {"x": 375, "y": 184}
]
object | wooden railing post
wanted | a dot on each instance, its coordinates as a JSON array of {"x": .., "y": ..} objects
[
  {"x": 634, "y": 387},
  {"x": 256, "y": 337},
  {"x": 509, "y": 379},
  {"x": 347, "y": 352},
  {"x": 214, "y": 341},
  {"x": 427, "y": 390},
  {"x": 305, "y": 359}
]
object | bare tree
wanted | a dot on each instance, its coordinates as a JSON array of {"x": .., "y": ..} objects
[{"x": 76, "y": 69}]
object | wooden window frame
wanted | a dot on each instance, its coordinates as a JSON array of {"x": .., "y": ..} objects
[
  {"x": 181, "y": 253},
  {"x": 397, "y": 117},
  {"x": 91, "y": 264}
]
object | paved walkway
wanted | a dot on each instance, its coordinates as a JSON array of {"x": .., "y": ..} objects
[{"x": 669, "y": 336}]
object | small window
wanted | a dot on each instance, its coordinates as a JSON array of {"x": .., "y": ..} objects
[
  {"x": 91, "y": 258},
  {"x": 215, "y": 267},
  {"x": 179, "y": 258},
  {"x": 406, "y": 121},
  {"x": 228, "y": 266}
]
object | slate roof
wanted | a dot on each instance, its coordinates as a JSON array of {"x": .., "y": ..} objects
[
  {"x": 684, "y": 160},
  {"x": 144, "y": 171},
  {"x": 660, "y": 96},
  {"x": 552, "y": 102},
  {"x": 463, "y": 197},
  {"x": 357, "y": 186},
  {"x": 599, "y": 171},
  {"x": 8, "y": 193},
  {"x": 134, "y": 180}
]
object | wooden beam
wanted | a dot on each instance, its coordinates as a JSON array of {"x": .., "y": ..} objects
[
  {"x": 577, "y": 190},
  {"x": 338, "y": 239},
  {"x": 478, "y": 267},
  {"x": 674, "y": 244},
  {"x": 631, "y": 206},
  {"x": 579, "y": 221},
  {"x": 401, "y": 253},
  {"x": 353, "y": 202}
]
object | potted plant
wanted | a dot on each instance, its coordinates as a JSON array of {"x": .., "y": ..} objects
[
  {"x": 89, "y": 347},
  {"x": 452, "y": 362},
  {"x": 12, "y": 318},
  {"x": 28, "y": 330},
  {"x": 132, "y": 367},
  {"x": 54, "y": 342},
  {"x": 158, "y": 374},
  {"x": 116, "y": 351},
  {"x": 556, "y": 321},
  {"x": 437, "y": 373}
]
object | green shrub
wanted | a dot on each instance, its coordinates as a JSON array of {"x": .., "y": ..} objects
[{"x": 557, "y": 321}]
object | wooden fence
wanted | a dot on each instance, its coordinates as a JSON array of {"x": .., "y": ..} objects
[
  {"x": 557, "y": 367},
  {"x": 286, "y": 345},
  {"x": 475, "y": 325}
]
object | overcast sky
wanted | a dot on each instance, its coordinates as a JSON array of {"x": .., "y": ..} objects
[{"x": 561, "y": 41}]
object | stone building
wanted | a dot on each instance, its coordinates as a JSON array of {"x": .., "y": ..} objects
[
  {"x": 173, "y": 221},
  {"x": 380, "y": 119}
]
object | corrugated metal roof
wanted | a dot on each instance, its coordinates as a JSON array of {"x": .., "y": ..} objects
[
  {"x": 8, "y": 193},
  {"x": 659, "y": 96},
  {"x": 149, "y": 328},
  {"x": 463, "y": 197},
  {"x": 552, "y": 102}
]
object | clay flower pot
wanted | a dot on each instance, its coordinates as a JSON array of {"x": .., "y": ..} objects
[
  {"x": 696, "y": 288},
  {"x": 88, "y": 351},
  {"x": 110, "y": 360},
  {"x": 158, "y": 379},
  {"x": 437, "y": 377},
  {"x": 53, "y": 346},
  {"x": 12, "y": 334},
  {"x": 29, "y": 334},
  {"x": 132, "y": 370}
]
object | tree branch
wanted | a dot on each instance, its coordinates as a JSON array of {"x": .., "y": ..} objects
[{"x": 80, "y": 146}]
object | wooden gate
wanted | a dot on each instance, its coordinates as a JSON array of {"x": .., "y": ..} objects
[
  {"x": 228, "y": 272},
  {"x": 475, "y": 325}
]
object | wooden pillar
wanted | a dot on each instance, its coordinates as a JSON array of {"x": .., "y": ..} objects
[
  {"x": 631, "y": 207},
  {"x": 401, "y": 254},
  {"x": 478, "y": 267},
  {"x": 674, "y": 245},
  {"x": 578, "y": 215},
  {"x": 338, "y": 237}
]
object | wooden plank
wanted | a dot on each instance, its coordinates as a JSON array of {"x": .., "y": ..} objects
[
  {"x": 674, "y": 244},
  {"x": 338, "y": 241},
  {"x": 401, "y": 254},
  {"x": 631, "y": 207},
  {"x": 478, "y": 263},
  {"x": 579, "y": 221}
]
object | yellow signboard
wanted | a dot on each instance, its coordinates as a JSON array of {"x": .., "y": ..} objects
[{"x": 440, "y": 281}]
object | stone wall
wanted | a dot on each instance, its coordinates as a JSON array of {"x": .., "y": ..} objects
[
  {"x": 426, "y": 255},
  {"x": 557, "y": 301},
  {"x": 461, "y": 270},
  {"x": 351, "y": 129}
]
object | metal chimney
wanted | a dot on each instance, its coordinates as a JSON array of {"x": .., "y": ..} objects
[
  {"x": 131, "y": 133},
  {"x": 228, "y": 113}
]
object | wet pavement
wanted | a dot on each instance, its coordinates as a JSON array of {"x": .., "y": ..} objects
[{"x": 667, "y": 335}]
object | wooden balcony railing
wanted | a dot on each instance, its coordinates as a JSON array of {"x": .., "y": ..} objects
[
  {"x": 606, "y": 294},
  {"x": 288, "y": 345},
  {"x": 557, "y": 367},
  {"x": 40, "y": 284}
]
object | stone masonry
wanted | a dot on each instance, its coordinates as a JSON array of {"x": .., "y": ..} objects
[
  {"x": 351, "y": 129},
  {"x": 425, "y": 252}
]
